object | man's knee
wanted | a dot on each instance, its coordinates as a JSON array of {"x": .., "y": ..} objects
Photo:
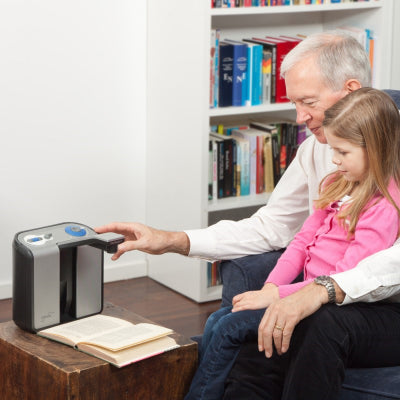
[{"x": 322, "y": 328}]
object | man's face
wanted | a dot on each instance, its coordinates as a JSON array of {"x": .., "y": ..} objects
[{"x": 305, "y": 89}]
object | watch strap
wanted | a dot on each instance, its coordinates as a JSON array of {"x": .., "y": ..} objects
[{"x": 327, "y": 281}]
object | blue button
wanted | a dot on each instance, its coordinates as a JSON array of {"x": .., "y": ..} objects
[
  {"x": 35, "y": 239},
  {"x": 75, "y": 230}
]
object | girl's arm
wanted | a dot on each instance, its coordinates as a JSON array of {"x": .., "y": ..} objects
[
  {"x": 291, "y": 262},
  {"x": 376, "y": 230},
  {"x": 288, "y": 267}
]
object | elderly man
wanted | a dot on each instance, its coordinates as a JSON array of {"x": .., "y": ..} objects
[{"x": 305, "y": 359}]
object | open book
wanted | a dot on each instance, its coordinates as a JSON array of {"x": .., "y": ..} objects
[{"x": 113, "y": 339}]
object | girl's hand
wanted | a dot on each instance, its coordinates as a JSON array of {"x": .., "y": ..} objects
[{"x": 256, "y": 299}]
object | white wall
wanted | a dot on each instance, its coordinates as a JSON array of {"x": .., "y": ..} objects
[
  {"x": 395, "y": 81},
  {"x": 72, "y": 119}
]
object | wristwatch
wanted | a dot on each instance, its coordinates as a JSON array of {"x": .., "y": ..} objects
[{"x": 327, "y": 281}]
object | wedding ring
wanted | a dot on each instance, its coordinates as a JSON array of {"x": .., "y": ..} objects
[{"x": 278, "y": 327}]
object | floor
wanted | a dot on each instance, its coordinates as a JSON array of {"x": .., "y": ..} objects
[{"x": 152, "y": 300}]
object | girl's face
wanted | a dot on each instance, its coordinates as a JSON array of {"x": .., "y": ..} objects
[{"x": 351, "y": 160}]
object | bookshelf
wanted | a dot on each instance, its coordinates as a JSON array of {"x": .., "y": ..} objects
[{"x": 179, "y": 117}]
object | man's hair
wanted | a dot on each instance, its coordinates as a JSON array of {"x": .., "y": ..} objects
[
  {"x": 367, "y": 118},
  {"x": 339, "y": 57}
]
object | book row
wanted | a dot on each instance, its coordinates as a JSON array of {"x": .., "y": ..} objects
[
  {"x": 213, "y": 274},
  {"x": 250, "y": 159},
  {"x": 247, "y": 72},
  {"x": 265, "y": 3}
]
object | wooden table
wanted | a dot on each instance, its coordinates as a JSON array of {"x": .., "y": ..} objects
[{"x": 32, "y": 367}]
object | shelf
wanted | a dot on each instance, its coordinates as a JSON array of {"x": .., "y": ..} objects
[
  {"x": 295, "y": 9},
  {"x": 238, "y": 202},
  {"x": 224, "y": 111},
  {"x": 178, "y": 114}
]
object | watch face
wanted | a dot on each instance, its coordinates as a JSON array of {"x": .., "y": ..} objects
[{"x": 322, "y": 279}]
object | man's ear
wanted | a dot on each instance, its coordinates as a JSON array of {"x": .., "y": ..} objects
[{"x": 351, "y": 85}]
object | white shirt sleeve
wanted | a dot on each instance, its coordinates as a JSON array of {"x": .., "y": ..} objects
[
  {"x": 375, "y": 278},
  {"x": 273, "y": 226}
]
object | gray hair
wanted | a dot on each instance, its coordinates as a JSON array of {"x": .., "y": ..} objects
[{"x": 339, "y": 56}]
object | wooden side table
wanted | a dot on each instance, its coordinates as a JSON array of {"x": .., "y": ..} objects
[{"x": 32, "y": 367}]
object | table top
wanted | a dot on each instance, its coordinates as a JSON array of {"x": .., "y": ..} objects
[{"x": 65, "y": 357}]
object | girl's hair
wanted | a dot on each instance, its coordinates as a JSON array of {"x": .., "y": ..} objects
[
  {"x": 367, "y": 118},
  {"x": 339, "y": 57}
]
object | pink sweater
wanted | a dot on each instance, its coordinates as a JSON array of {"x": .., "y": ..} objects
[{"x": 322, "y": 248}]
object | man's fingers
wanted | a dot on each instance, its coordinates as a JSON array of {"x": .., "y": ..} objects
[
  {"x": 287, "y": 335},
  {"x": 265, "y": 333}
]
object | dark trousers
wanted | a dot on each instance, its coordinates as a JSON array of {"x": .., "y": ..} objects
[{"x": 322, "y": 347}]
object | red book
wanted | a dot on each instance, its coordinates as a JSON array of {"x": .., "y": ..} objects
[
  {"x": 283, "y": 46},
  {"x": 279, "y": 49}
]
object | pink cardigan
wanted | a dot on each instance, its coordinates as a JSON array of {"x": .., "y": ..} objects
[{"x": 322, "y": 248}]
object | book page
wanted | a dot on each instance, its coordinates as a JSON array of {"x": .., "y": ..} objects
[
  {"x": 131, "y": 354},
  {"x": 127, "y": 336},
  {"x": 84, "y": 329},
  {"x": 104, "y": 331}
]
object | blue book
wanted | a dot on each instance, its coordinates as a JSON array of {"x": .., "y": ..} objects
[
  {"x": 225, "y": 74},
  {"x": 243, "y": 160},
  {"x": 239, "y": 74},
  {"x": 254, "y": 80}
]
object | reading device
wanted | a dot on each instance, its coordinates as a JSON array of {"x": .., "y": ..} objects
[{"x": 58, "y": 274}]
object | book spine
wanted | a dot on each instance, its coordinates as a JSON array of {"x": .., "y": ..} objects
[
  {"x": 257, "y": 76},
  {"x": 215, "y": 170},
  {"x": 216, "y": 67},
  {"x": 266, "y": 76},
  {"x": 268, "y": 165},
  {"x": 253, "y": 163},
  {"x": 210, "y": 170},
  {"x": 273, "y": 74},
  {"x": 284, "y": 148},
  {"x": 275, "y": 158},
  {"x": 228, "y": 168},
  {"x": 221, "y": 169},
  {"x": 225, "y": 74},
  {"x": 250, "y": 75},
  {"x": 260, "y": 164},
  {"x": 234, "y": 166},
  {"x": 245, "y": 169},
  {"x": 238, "y": 73},
  {"x": 212, "y": 66}
]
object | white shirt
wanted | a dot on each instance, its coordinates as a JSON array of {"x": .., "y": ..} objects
[{"x": 274, "y": 225}]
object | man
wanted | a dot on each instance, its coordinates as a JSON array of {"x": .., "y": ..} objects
[{"x": 318, "y": 72}]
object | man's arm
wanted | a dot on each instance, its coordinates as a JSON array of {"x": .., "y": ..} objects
[
  {"x": 147, "y": 239},
  {"x": 273, "y": 226},
  {"x": 286, "y": 313},
  {"x": 375, "y": 278}
]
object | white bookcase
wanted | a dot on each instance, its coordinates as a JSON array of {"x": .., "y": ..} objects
[{"x": 179, "y": 116}]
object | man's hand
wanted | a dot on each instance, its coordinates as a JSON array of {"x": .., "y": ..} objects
[
  {"x": 144, "y": 238},
  {"x": 254, "y": 300},
  {"x": 282, "y": 316}
]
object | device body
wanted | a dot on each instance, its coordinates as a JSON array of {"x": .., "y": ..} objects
[{"x": 58, "y": 274}]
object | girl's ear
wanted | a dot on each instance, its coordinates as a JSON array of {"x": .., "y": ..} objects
[{"x": 351, "y": 85}]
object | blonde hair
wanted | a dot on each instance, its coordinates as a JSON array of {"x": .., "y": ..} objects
[{"x": 370, "y": 119}]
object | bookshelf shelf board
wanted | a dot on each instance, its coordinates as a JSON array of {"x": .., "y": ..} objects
[
  {"x": 213, "y": 293},
  {"x": 238, "y": 202},
  {"x": 293, "y": 8},
  {"x": 222, "y": 111}
]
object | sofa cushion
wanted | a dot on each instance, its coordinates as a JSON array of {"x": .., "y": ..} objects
[{"x": 371, "y": 384}]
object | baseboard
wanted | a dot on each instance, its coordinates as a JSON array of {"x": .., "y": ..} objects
[
  {"x": 5, "y": 290},
  {"x": 112, "y": 272}
]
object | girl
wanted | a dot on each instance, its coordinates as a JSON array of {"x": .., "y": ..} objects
[{"x": 357, "y": 214}]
